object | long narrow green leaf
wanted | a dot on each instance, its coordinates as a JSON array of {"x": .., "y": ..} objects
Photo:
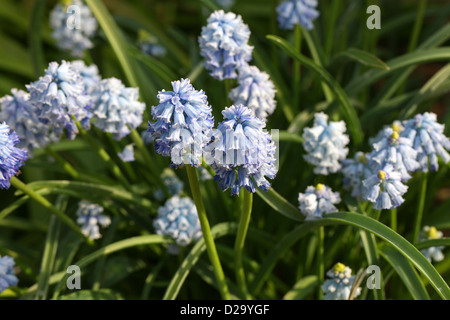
[
  {"x": 365, "y": 223},
  {"x": 340, "y": 95},
  {"x": 115, "y": 38},
  {"x": 302, "y": 288},
  {"x": 406, "y": 272},
  {"x": 433, "y": 243},
  {"x": 280, "y": 204},
  {"x": 410, "y": 59},
  {"x": 365, "y": 58},
  {"x": 34, "y": 34},
  {"x": 180, "y": 276}
]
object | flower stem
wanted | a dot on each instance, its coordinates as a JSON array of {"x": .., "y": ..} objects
[
  {"x": 239, "y": 244},
  {"x": 207, "y": 236},
  {"x": 63, "y": 163},
  {"x": 19, "y": 185},
  {"x": 420, "y": 207},
  {"x": 320, "y": 259}
]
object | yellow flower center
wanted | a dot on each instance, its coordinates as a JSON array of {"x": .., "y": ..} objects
[
  {"x": 382, "y": 175},
  {"x": 66, "y": 2},
  {"x": 433, "y": 233},
  {"x": 339, "y": 268},
  {"x": 320, "y": 187},
  {"x": 395, "y": 135}
]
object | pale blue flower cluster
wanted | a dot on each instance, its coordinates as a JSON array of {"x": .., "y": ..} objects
[
  {"x": 11, "y": 157},
  {"x": 356, "y": 170},
  {"x": 325, "y": 144},
  {"x": 116, "y": 108},
  {"x": 385, "y": 188},
  {"x": 73, "y": 26},
  {"x": 58, "y": 97},
  {"x": 173, "y": 184},
  {"x": 224, "y": 44},
  {"x": 89, "y": 74},
  {"x": 127, "y": 154},
  {"x": 178, "y": 219},
  {"x": 301, "y": 12},
  {"x": 183, "y": 124},
  {"x": 317, "y": 201},
  {"x": 7, "y": 276},
  {"x": 339, "y": 286},
  {"x": 17, "y": 111},
  {"x": 255, "y": 90},
  {"x": 242, "y": 153},
  {"x": 428, "y": 140},
  {"x": 389, "y": 147},
  {"x": 90, "y": 217},
  {"x": 432, "y": 253}
]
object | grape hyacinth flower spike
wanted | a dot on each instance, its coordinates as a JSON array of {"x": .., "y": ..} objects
[
  {"x": 317, "y": 201},
  {"x": 90, "y": 74},
  {"x": 178, "y": 219},
  {"x": 256, "y": 91},
  {"x": 297, "y": 12},
  {"x": 7, "y": 276},
  {"x": 17, "y": 111},
  {"x": 428, "y": 140},
  {"x": 116, "y": 108},
  {"x": 58, "y": 97},
  {"x": 325, "y": 144},
  {"x": 339, "y": 286},
  {"x": 183, "y": 124},
  {"x": 385, "y": 188},
  {"x": 90, "y": 217},
  {"x": 355, "y": 171},
  {"x": 73, "y": 26},
  {"x": 242, "y": 154},
  {"x": 11, "y": 157},
  {"x": 224, "y": 44},
  {"x": 432, "y": 253},
  {"x": 389, "y": 147}
]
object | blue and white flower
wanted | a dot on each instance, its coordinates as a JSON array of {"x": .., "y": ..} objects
[
  {"x": 58, "y": 97},
  {"x": 242, "y": 154},
  {"x": 73, "y": 26},
  {"x": 183, "y": 124},
  {"x": 173, "y": 184},
  {"x": 356, "y": 170},
  {"x": 11, "y": 157},
  {"x": 256, "y": 91},
  {"x": 428, "y": 140},
  {"x": 178, "y": 219},
  {"x": 339, "y": 286},
  {"x": 432, "y": 253},
  {"x": 224, "y": 44},
  {"x": 325, "y": 144},
  {"x": 317, "y": 201},
  {"x": 391, "y": 148},
  {"x": 116, "y": 108},
  {"x": 385, "y": 188},
  {"x": 301, "y": 12},
  {"x": 7, "y": 276},
  {"x": 90, "y": 217},
  {"x": 90, "y": 74},
  {"x": 17, "y": 111}
]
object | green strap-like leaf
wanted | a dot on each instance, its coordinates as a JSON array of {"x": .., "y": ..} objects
[
  {"x": 302, "y": 288},
  {"x": 365, "y": 58},
  {"x": 406, "y": 272},
  {"x": 340, "y": 95},
  {"x": 280, "y": 204}
]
